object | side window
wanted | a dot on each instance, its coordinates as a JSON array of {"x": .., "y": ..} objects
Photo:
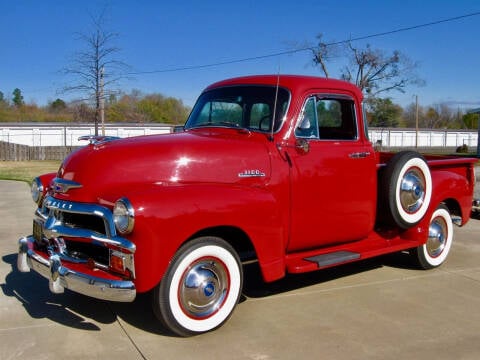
[
  {"x": 307, "y": 126},
  {"x": 336, "y": 118},
  {"x": 328, "y": 118}
]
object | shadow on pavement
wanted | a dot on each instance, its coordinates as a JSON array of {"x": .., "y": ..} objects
[
  {"x": 31, "y": 290},
  {"x": 81, "y": 312},
  {"x": 254, "y": 286},
  {"x": 71, "y": 309}
]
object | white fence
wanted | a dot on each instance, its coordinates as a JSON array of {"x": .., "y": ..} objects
[
  {"x": 425, "y": 138},
  {"x": 67, "y": 135},
  {"x": 58, "y": 135}
]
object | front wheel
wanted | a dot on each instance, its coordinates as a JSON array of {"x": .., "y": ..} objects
[
  {"x": 440, "y": 235},
  {"x": 200, "y": 288}
]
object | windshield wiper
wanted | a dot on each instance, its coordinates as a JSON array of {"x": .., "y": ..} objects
[{"x": 223, "y": 124}]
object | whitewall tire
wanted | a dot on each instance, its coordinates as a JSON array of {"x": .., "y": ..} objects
[
  {"x": 201, "y": 287},
  {"x": 439, "y": 242}
]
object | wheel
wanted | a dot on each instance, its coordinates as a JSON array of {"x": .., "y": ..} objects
[
  {"x": 440, "y": 235},
  {"x": 407, "y": 188},
  {"x": 200, "y": 288}
]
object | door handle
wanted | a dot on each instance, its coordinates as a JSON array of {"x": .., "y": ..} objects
[{"x": 359, "y": 155}]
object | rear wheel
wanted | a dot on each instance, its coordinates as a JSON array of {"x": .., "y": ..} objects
[
  {"x": 440, "y": 235},
  {"x": 201, "y": 287}
]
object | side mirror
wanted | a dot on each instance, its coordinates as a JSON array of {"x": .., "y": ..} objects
[{"x": 302, "y": 146}]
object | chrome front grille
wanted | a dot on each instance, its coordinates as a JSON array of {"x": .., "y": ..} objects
[
  {"x": 81, "y": 234},
  {"x": 90, "y": 220},
  {"x": 90, "y": 226},
  {"x": 83, "y": 221}
]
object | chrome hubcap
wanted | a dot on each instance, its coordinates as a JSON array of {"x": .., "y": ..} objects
[
  {"x": 437, "y": 237},
  {"x": 203, "y": 288},
  {"x": 412, "y": 191}
]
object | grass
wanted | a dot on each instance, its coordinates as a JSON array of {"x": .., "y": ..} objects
[{"x": 26, "y": 170}]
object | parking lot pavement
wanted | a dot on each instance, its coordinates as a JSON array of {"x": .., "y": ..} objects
[{"x": 375, "y": 309}]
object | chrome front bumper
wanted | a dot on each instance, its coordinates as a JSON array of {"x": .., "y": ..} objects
[{"x": 60, "y": 276}]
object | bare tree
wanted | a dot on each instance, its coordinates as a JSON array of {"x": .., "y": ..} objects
[
  {"x": 321, "y": 54},
  {"x": 371, "y": 70},
  {"x": 374, "y": 72},
  {"x": 441, "y": 115},
  {"x": 94, "y": 70}
]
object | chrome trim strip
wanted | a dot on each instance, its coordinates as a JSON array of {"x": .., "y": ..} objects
[
  {"x": 54, "y": 229},
  {"x": 61, "y": 276}
]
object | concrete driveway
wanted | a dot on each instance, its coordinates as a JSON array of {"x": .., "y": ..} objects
[{"x": 376, "y": 309}]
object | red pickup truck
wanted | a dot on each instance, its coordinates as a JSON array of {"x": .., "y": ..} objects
[{"x": 274, "y": 169}]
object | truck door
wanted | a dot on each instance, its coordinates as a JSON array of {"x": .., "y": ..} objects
[{"x": 333, "y": 175}]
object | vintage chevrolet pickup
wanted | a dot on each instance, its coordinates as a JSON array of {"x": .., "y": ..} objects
[{"x": 274, "y": 169}]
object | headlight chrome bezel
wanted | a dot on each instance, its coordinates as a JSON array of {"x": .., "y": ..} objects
[
  {"x": 37, "y": 191},
  {"x": 124, "y": 216}
]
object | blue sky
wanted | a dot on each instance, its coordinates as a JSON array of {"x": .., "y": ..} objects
[{"x": 38, "y": 39}]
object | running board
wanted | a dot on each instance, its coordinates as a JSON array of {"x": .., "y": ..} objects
[
  {"x": 375, "y": 245},
  {"x": 333, "y": 258}
]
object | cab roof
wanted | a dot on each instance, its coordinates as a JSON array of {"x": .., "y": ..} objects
[{"x": 295, "y": 83}]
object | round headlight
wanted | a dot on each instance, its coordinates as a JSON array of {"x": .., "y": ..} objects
[
  {"x": 37, "y": 190},
  {"x": 123, "y": 216}
]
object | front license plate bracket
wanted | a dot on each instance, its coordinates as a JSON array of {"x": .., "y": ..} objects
[{"x": 37, "y": 231}]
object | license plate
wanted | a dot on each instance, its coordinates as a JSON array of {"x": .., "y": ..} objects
[{"x": 37, "y": 231}]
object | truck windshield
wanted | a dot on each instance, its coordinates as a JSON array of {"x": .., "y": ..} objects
[{"x": 248, "y": 107}]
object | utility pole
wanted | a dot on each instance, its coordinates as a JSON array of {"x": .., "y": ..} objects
[
  {"x": 102, "y": 102},
  {"x": 477, "y": 111}
]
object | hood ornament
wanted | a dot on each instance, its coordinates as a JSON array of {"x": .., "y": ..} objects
[{"x": 97, "y": 140}]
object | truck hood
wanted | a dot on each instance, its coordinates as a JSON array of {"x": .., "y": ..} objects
[{"x": 211, "y": 155}]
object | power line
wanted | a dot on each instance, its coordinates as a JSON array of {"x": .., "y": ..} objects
[
  {"x": 307, "y": 48},
  {"x": 414, "y": 27}
]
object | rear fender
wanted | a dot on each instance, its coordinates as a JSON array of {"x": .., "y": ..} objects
[
  {"x": 450, "y": 188},
  {"x": 452, "y": 185}
]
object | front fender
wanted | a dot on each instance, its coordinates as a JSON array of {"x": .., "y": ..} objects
[{"x": 168, "y": 215}]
